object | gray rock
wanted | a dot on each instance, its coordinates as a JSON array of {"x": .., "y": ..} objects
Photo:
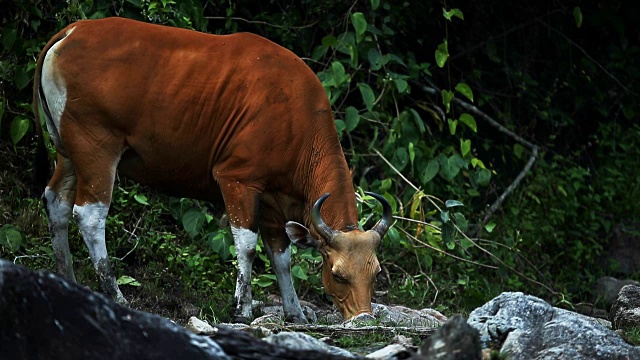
[
  {"x": 200, "y": 327},
  {"x": 302, "y": 341},
  {"x": 403, "y": 316},
  {"x": 624, "y": 248},
  {"x": 526, "y": 327},
  {"x": 390, "y": 352},
  {"x": 43, "y": 316},
  {"x": 455, "y": 340},
  {"x": 625, "y": 311}
]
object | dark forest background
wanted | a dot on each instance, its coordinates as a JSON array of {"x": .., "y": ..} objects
[{"x": 505, "y": 134}]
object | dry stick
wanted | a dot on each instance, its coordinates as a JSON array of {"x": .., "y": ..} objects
[{"x": 533, "y": 147}]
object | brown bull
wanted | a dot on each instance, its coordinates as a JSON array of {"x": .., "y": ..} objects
[{"x": 230, "y": 119}]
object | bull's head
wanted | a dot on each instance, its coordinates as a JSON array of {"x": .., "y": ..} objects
[{"x": 349, "y": 265}]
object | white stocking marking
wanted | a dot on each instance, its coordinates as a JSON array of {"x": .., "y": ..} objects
[
  {"x": 58, "y": 213},
  {"x": 91, "y": 221},
  {"x": 281, "y": 263},
  {"x": 245, "y": 243}
]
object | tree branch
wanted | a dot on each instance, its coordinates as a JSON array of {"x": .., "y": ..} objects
[{"x": 533, "y": 147}]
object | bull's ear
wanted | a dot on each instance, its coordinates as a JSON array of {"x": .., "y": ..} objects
[{"x": 299, "y": 235}]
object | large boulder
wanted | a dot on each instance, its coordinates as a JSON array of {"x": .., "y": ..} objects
[
  {"x": 625, "y": 311},
  {"x": 526, "y": 327},
  {"x": 43, "y": 316}
]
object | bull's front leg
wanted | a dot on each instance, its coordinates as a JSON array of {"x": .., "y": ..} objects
[{"x": 245, "y": 242}]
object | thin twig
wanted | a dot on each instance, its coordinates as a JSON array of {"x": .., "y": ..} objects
[
  {"x": 533, "y": 147},
  {"x": 444, "y": 252},
  {"x": 260, "y": 22},
  {"x": 584, "y": 52}
]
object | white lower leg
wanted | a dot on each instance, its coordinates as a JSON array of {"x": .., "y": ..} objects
[
  {"x": 91, "y": 221},
  {"x": 245, "y": 242},
  {"x": 281, "y": 264},
  {"x": 58, "y": 214}
]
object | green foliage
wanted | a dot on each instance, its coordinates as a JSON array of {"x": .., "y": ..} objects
[{"x": 398, "y": 76}]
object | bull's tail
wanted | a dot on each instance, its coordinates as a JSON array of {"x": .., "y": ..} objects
[{"x": 42, "y": 165}]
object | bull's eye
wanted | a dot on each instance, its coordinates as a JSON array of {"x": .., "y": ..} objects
[{"x": 339, "y": 278}]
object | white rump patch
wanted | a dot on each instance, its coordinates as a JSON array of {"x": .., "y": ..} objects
[{"x": 54, "y": 89}]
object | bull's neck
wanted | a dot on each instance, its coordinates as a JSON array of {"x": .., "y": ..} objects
[{"x": 327, "y": 172}]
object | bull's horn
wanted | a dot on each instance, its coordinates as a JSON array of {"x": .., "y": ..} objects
[
  {"x": 387, "y": 217},
  {"x": 316, "y": 220}
]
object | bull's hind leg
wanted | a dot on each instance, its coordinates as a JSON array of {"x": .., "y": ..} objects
[
  {"x": 279, "y": 250},
  {"x": 95, "y": 171},
  {"x": 241, "y": 202},
  {"x": 58, "y": 198}
]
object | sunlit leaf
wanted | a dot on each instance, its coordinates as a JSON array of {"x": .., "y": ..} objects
[
  {"x": 453, "y": 203},
  {"x": 465, "y": 90},
  {"x": 447, "y": 96},
  {"x": 470, "y": 121},
  {"x": 128, "y": 280},
  {"x": 465, "y": 147},
  {"x": 451, "y": 13},
  {"x": 360, "y": 24},
  {"x": 442, "y": 54}
]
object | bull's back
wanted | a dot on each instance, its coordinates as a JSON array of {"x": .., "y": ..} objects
[{"x": 183, "y": 101}]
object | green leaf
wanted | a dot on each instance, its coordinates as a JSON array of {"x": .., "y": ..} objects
[
  {"x": 367, "y": 95},
  {"x": 400, "y": 158},
  {"x": 297, "y": 272},
  {"x": 128, "y": 280},
  {"x": 483, "y": 176},
  {"x": 375, "y": 4},
  {"x": 11, "y": 237},
  {"x": 412, "y": 153},
  {"x": 453, "y": 203},
  {"x": 490, "y": 226},
  {"x": 8, "y": 37},
  {"x": 465, "y": 147},
  {"x": 442, "y": 53},
  {"x": 351, "y": 119},
  {"x": 470, "y": 121},
  {"x": 401, "y": 85},
  {"x": 465, "y": 90},
  {"x": 340, "y": 126},
  {"x": 518, "y": 150},
  {"x": 19, "y": 128},
  {"x": 449, "y": 166},
  {"x": 141, "y": 199},
  {"x": 466, "y": 243},
  {"x": 22, "y": 76},
  {"x": 461, "y": 221},
  {"x": 377, "y": 61},
  {"x": 453, "y": 125},
  {"x": 193, "y": 221},
  {"x": 432, "y": 169},
  {"x": 360, "y": 24},
  {"x": 339, "y": 75},
  {"x": 448, "y": 235},
  {"x": 419, "y": 121},
  {"x": 577, "y": 16},
  {"x": 445, "y": 216},
  {"x": 451, "y": 13},
  {"x": 447, "y": 96}
]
